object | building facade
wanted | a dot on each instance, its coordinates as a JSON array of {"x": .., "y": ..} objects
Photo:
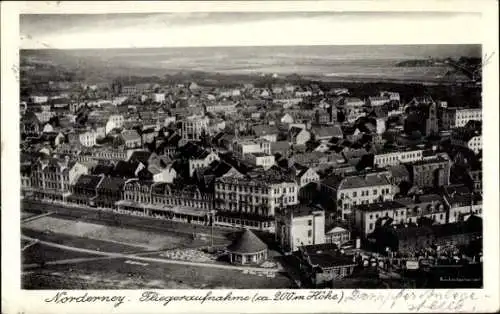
[
  {"x": 458, "y": 117},
  {"x": 353, "y": 190},
  {"x": 300, "y": 225},
  {"x": 394, "y": 158},
  {"x": 433, "y": 172},
  {"x": 192, "y": 127},
  {"x": 253, "y": 202}
]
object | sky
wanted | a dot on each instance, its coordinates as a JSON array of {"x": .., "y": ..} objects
[{"x": 140, "y": 30}]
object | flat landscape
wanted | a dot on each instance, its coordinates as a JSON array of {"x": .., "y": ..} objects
[
  {"x": 135, "y": 238},
  {"x": 77, "y": 253}
]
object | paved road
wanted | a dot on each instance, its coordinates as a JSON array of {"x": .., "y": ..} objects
[{"x": 149, "y": 259}]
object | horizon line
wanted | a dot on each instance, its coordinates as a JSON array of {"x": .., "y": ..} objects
[{"x": 254, "y": 46}]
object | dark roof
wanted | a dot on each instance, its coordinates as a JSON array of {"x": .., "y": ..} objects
[
  {"x": 103, "y": 169},
  {"x": 248, "y": 242},
  {"x": 332, "y": 131},
  {"x": 302, "y": 210},
  {"x": 324, "y": 248},
  {"x": 474, "y": 225},
  {"x": 465, "y": 134},
  {"x": 88, "y": 181},
  {"x": 125, "y": 169},
  {"x": 399, "y": 171},
  {"x": 327, "y": 260},
  {"x": 141, "y": 156},
  {"x": 420, "y": 200},
  {"x": 280, "y": 146},
  {"x": 356, "y": 181},
  {"x": 112, "y": 184},
  {"x": 218, "y": 168},
  {"x": 191, "y": 150},
  {"x": 379, "y": 206},
  {"x": 264, "y": 129}
]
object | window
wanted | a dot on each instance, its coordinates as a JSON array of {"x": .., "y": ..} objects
[
  {"x": 354, "y": 194},
  {"x": 370, "y": 227},
  {"x": 309, "y": 233},
  {"x": 375, "y": 192},
  {"x": 371, "y": 216},
  {"x": 309, "y": 222}
]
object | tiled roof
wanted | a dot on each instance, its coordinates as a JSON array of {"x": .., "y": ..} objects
[
  {"x": 247, "y": 243},
  {"x": 399, "y": 171},
  {"x": 141, "y": 156},
  {"x": 352, "y": 182},
  {"x": 129, "y": 135},
  {"x": 328, "y": 260},
  {"x": 88, "y": 181},
  {"x": 264, "y": 129},
  {"x": 302, "y": 210},
  {"x": 379, "y": 206},
  {"x": 464, "y": 134},
  {"x": 332, "y": 131},
  {"x": 111, "y": 183},
  {"x": 324, "y": 248}
]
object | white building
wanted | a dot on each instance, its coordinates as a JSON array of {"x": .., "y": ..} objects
[
  {"x": 159, "y": 97},
  {"x": 286, "y": 119},
  {"x": 45, "y": 116},
  {"x": 391, "y": 95},
  {"x": 202, "y": 161},
  {"x": 353, "y": 190},
  {"x": 193, "y": 127},
  {"x": 252, "y": 146},
  {"x": 252, "y": 200},
  {"x": 114, "y": 121},
  {"x": 378, "y": 101},
  {"x": 467, "y": 138},
  {"x": 298, "y": 226},
  {"x": 458, "y": 117},
  {"x": 88, "y": 138},
  {"x": 299, "y": 136},
  {"x": 306, "y": 176},
  {"x": 380, "y": 125},
  {"x": 462, "y": 205},
  {"x": 337, "y": 235},
  {"x": 165, "y": 175},
  {"x": 396, "y": 157},
  {"x": 47, "y": 128},
  {"x": 117, "y": 101},
  {"x": 39, "y": 99},
  {"x": 402, "y": 211},
  {"x": 225, "y": 107},
  {"x": 260, "y": 159}
]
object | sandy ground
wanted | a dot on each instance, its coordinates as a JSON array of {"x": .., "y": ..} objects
[{"x": 142, "y": 239}]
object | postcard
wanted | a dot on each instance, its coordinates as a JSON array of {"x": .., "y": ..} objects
[{"x": 250, "y": 157}]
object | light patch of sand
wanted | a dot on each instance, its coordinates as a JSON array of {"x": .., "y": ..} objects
[{"x": 148, "y": 240}]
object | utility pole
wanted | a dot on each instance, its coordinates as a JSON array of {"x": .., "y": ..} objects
[{"x": 212, "y": 214}]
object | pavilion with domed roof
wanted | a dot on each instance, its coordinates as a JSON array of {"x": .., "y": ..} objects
[{"x": 247, "y": 249}]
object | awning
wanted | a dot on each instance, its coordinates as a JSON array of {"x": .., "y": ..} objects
[{"x": 175, "y": 209}]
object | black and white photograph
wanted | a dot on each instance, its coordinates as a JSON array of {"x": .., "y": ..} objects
[{"x": 247, "y": 162}]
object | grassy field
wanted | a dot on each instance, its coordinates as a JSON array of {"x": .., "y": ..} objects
[
  {"x": 118, "y": 274},
  {"x": 25, "y": 215},
  {"x": 42, "y": 253},
  {"x": 81, "y": 242},
  {"x": 140, "y": 239}
]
